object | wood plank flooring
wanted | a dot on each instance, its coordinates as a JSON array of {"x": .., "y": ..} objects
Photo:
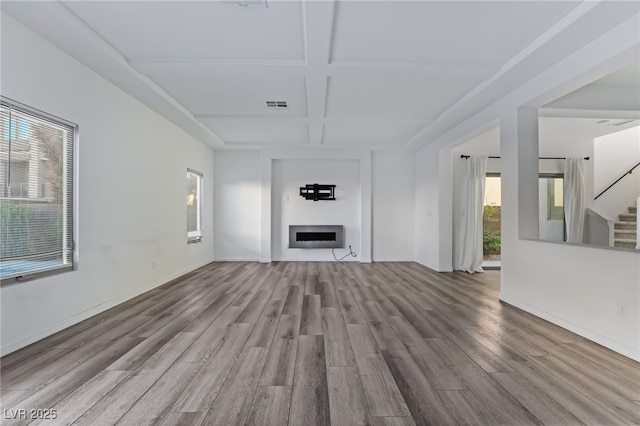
[{"x": 319, "y": 344}]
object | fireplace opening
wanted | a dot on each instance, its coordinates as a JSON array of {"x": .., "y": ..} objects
[{"x": 316, "y": 236}]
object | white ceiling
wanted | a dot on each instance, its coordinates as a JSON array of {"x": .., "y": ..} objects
[
  {"x": 616, "y": 95},
  {"x": 354, "y": 73},
  {"x": 578, "y": 117},
  {"x": 192, "y": 31},
  {"x": 555, "y": 133}
]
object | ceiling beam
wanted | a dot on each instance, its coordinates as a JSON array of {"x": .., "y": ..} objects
[
  {"x": 589, "y": 19},
  {"x": 279, "y": 67},
  {"x": 56, "y": 23},
  {"x": 588, "y": 113},
  {"x": 318, "y": 30},
  {"x": 290, "y": 119},
  {"x": 462, "y": 70}
]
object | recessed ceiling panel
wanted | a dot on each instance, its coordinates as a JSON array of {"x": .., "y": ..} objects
[
  {"x": 483, "y": 32},
  {"x": 370, "y": 132},
  {"x": 196, "y": 30},
  {"x": 259, "y": 131},
  {"x": 393, "y": 95},
  {"x": 223, "y": 94}
]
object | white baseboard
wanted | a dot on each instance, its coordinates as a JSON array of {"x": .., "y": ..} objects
[
  {"x": 305, "y": 259},
  {"x": 237, "y": 259},
  {"x": 434, "y": 267},
  {"x": 391, "y": 259},
  {"x": 81, "y": 316},
  {"x": 633, "y": 353}
]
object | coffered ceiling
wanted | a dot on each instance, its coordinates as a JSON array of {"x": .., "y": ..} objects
[{"x": 353, "y": 73}]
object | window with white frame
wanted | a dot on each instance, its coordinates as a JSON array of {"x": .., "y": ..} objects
[
  {"x": 36, "y": 192},
  {"x": 194, "y": 206}
]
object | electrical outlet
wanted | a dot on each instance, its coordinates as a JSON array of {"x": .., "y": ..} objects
[
  {"x": 153, "y": 264},
  {"x": 622, "y": 310}
]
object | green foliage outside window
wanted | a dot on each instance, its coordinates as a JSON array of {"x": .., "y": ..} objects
[
  {"x": 27, "y": 230},
  {"x": 491, "y": 229}
]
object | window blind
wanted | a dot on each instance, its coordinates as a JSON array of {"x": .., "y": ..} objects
[{"x": 36, "y": 191}]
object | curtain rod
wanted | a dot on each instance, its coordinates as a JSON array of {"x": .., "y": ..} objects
[{"x": 540, "y": 158}]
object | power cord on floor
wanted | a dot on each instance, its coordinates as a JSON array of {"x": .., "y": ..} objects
[{"x": 351, "y": 253}]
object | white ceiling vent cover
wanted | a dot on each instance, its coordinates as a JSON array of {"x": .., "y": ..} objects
[
  {"x": 616, "y": 123},
  {"x": 246, "y": 3},
  {"x": 276, "y": 104}
]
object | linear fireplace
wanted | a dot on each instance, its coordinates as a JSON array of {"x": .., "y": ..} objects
[{"x": 316, "y": 236}]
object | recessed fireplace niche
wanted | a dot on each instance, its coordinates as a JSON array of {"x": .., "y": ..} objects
[{"x": 316, "y": 236}]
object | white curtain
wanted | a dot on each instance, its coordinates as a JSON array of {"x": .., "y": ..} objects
[
  {"x": 574, "y": 199},
  {"x": 470, "y": 253}
]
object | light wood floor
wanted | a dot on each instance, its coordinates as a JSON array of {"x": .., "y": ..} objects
[{"x": 321, "y": 343}]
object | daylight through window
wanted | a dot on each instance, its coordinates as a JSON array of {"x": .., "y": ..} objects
[
  {"x": 194, "y": 206},
  {"x": 36, "y": 192}
]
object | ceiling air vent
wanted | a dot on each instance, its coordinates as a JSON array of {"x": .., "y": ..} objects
[
  {"x": 246, "y": 3},
  {"x": 616, "y": 123},
  {"x": 276, "y": 104}
]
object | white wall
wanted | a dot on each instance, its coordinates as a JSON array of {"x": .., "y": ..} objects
[
  {"x": 615, "y": 154},
  {"x": 237, "y": 197},
  {"x": 393, "y": 206},
  {"x": 433, "y": 205},
  {"x": 392, "y": 203},
  {"x": 289, "y": 208},
  {"x": 576, "y": 287},
  {"x": 131, "y": 192}
]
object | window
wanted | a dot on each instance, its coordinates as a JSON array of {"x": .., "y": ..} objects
[
  {"x": 194, "y": 206},
  {"x": 555, "y": 198},
  {"x": 36, "y": 192},
  {"x": 551, "y": 215}
]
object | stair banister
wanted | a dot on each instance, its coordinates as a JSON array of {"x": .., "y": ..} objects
[{"x": 628, "y": 172}]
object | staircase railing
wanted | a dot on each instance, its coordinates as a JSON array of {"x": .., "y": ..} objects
[{"x": 628, "y": 172}]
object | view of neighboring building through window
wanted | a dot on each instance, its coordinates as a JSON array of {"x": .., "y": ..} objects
[
  {"x": 194, "y": 206},
  {"x": 36, "y": 191}
]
